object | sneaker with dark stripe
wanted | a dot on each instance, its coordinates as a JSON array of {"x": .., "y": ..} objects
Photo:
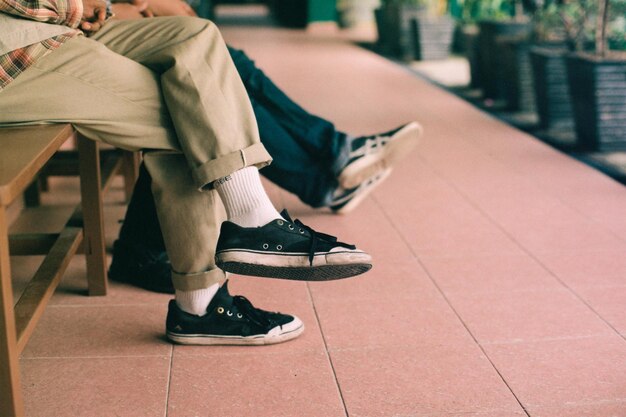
[
  {"x": 344, "y": 201},
  {"x": 287, "y": 249},
  {"x": 372, "y": 155},
  {"x": 231, "y": 321}
]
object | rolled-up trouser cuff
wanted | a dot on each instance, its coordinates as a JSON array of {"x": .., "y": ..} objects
[
  {"x": 225, "y": 165},
  {"x": 199, "y": 280}
]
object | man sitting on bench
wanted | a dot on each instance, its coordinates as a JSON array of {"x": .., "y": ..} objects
[
  {"x": 323, "y": 166},
  {"x": 168, "y": 86}
]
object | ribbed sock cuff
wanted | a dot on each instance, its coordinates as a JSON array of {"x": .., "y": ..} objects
[
  {"x": 196, "y": 301},
  {"x": 245, "y": 199}
]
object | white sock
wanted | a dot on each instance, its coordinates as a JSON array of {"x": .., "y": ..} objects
[
  {"x": 245, "y": 199},
  {"x": 196, "y": 301}
]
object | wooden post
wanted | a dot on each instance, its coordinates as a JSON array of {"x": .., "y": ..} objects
[
  {"x": 10, "y": 390},
  {"x": 93, "y": 217}
]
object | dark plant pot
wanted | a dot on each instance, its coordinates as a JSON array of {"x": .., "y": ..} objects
[
  {"x": 490, "y": 54},
  {"x": 472, "y": 51},
  {"x": 598, "y": 90},
  {"x": 382, "y": 28},
  {"x": 290, "y": 13},
  {"x": 458, "y": 39},
  {"x": 553, "y": 101},
  {"x": 432, "y": 37},
  {"x": 518, "y": 88},
  {"x": 397, "y": 23}
]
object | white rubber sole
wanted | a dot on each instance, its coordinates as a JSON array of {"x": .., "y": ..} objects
[
  {"x": 288, "y": 332},
  {"x": 337, "y": 264},
  {"x": 398, "y": 147},
  {"x": 368, "y": 187}
]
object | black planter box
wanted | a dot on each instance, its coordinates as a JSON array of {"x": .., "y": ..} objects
[
  {"x": 382, "y": 28},
  {"x": 492, "y": 72},
  {"x": 518, "y": 87},
  {"x": 432, "y": 37},
  {"x": 472, "y": 51},
  {"x": 395, "y": 29},
  {"x": 290, "y": 13},
  {"x": 554, "y": 104},
  {"x": 598, "y": 91}
]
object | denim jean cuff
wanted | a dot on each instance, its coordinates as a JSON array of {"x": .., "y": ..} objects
[
  {"x": 224, "y": 165},
  {"x": 342, "y": 152},
  {"x": 198, "y": 280}
]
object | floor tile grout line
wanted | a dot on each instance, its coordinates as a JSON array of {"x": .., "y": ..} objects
[
  {"x": 485, "y": 343},
  {"x": 545, "y": 339},
  {"x": 579, "y": 297},
  {"x": 92, "y": 357},
  {"x": 520, "y": 245},
  {"x": 330, "y": 359},
  {"x": 456, "y": 313},
  {"x": 169, "y": 382},
  {"x": 575, "y": 404},
  {"x": 104, "y": 305}
]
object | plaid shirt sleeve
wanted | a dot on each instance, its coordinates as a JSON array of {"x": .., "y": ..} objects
[
  {"x": 14, "y": 63},
  {"x": 61, "y": 12}
]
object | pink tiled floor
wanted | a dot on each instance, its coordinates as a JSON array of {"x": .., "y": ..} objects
[{"x": 498, "y": 287}]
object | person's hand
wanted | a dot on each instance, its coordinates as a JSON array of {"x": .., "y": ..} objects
[
  {"x": 94, "y": 16},
  {"x": 171, "y": 8},
  {"x": 126, "y": 11}
]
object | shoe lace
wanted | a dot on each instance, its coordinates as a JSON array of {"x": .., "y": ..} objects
[
  {"x": 372, "y": 144},
  {"x": 254, "y": 314},
  {"x": 316, "y": 237}
]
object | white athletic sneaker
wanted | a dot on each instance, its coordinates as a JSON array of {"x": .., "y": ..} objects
[{"x": 371, "y": 156}]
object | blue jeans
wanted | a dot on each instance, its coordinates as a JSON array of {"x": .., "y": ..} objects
[
  {"x": 307, "y": 152},
  {"x": 306, "y": 149}
]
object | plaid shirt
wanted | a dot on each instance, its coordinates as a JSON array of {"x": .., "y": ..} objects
[{"x": 61, "y": 12}]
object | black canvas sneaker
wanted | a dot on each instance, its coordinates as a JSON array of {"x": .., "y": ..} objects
[
  {"x": 287, "y": 249},
  {"x": 231, "y": 321},
  {"x": 344, "y": 201},
  {"x": 372, "y": 155},
  {"x": 142, "y": 267}
]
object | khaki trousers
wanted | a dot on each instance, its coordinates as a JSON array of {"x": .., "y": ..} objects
[{"x": 164, "y": 85}]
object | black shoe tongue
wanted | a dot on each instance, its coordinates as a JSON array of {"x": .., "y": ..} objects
[
  {"x": 222, "y": 297},
  {"x": 286, "y": 216}
]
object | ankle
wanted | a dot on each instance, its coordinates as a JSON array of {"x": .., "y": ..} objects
[
  {"x": 244, "y": 198},
  {"x": 196, "y": 301}
]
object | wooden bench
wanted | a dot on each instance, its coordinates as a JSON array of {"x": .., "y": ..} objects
[{"x": 25, "y": 153}]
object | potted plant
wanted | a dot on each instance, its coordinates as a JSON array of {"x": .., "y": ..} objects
[
  {"x": 432, "y": 32},
  {"x": 559, "y": 28},
  {"x": 471, "y": 12},
  {"x": 507, "y": 20},
  {"x": 414, "y": 29},
  {"x": 597, "y": 81},
  {"x": 393, "y": 20}
]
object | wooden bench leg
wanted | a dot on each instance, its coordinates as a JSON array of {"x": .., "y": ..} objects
[
  {"x": 130, "y": 170},
  {"x": 93, "y": 216},
  {"x": 10, "y": 390}
]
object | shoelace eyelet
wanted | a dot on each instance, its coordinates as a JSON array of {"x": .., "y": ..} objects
[
  {"x": 280, "y": 222},
  {"x": 220, "y": 310},
  {"x": 229, "y": 314},
  {"x": 291, "y": 227},
  {"x": 239, "y": 315},
  {"x": 265, "y": 246},
  {"x": 279, "y": 247}
]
